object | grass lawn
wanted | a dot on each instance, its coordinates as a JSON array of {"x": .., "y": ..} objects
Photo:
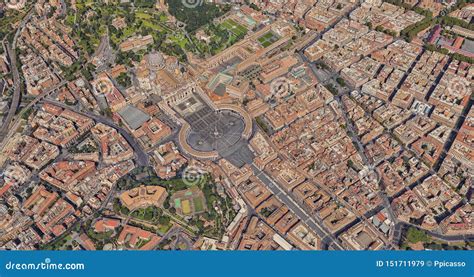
[
  {"x": 268, "y": 39},
  {"x": 198, "y": 205},
  {"x": 234, "y": 27},
  {"x": 143, "y": 15},
  {"x": 179, "y": 39},
  {"x": 163, "y": 229},
  {"x": 163, "y": 18},
  {"x": 70, "y": 20},
  {"x": 141, "y": 243},
  {"x": 153, "y": 26}
]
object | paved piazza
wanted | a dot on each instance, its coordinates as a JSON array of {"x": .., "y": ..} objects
[
  {"x": 214, "y": 130},
  {"x": 211, "y": 131}
]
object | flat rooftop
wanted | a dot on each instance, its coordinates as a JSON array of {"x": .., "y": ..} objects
[{"x": 133, "y": 117}]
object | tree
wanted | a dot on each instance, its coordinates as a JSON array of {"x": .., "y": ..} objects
[
  {"x": 107, "y": 112},
  {"x": 341, "y": 81},
  {"x": 414, "y": 235},
  {"x": 124, "y": 80},
  {"x": 196, "y": 17},
  {"x": 164, "y": 220}
]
